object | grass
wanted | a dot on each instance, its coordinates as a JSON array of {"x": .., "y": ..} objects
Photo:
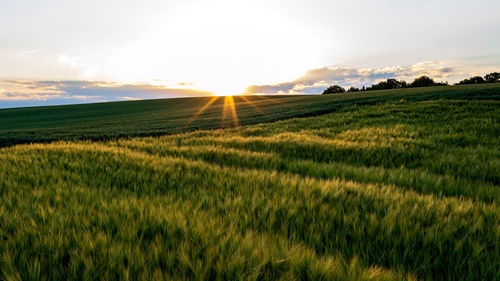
[
  {"x": 404, "y": 189},
  {"x": 113, "y": 120}
]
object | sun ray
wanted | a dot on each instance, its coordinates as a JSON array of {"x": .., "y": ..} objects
[
  {"x": 233, "y": 111},
  {"x": 229, "y": 106},
  {"x": 205, "y": 107},
  {"x": 252, "y": 104},
  {"x": 270, "y": 99}
]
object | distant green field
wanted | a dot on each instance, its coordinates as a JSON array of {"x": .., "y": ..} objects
[
  {"x": 405, "y": 187},
  {"x": 158, "y": 117}
]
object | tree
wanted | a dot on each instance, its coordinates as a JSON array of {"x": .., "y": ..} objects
[
  {"x": 390, "y": 84},
  {"x": 423, "y": 81},
  {"x": 472, "y": 80},
  {"x": 334, "y": 89},
  {"x": 395, "y": 84},
  {"x": 445, "y": 83},
  {"x": 353, "y": 89},
  {"x": 493, "y": 77}
]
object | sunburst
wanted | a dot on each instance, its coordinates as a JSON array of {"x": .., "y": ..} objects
[
  {"x": 229, "y": 116},
  {"x": 199, "y": 112},
  {"x": 229, "y": 106},
  {"x": 252, "y": 104}
]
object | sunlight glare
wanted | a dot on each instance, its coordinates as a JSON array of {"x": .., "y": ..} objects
[
  {"x": 207, "y": 105},
  {"x": 252, "y": 104},
  {"x": 229, "y": 106},
  {"x": 221, "y": 52}
]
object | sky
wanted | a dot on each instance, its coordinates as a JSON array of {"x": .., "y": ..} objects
[{"x": 63, "y": 52}]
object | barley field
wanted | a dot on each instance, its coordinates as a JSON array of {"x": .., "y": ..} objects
[
  {"x": 405, "y": 188},
  {"x": 112, "y": 120}
]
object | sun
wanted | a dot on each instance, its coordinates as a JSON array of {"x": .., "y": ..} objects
[
  {"x": 229, "y": 116},
  {"x": 219, "y": 52},
  {"x": 229, "y": 108}
]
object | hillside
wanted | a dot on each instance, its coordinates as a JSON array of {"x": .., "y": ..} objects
[
  {"x": 158, "y": 117},
  {"x": 390, "y": 185}
]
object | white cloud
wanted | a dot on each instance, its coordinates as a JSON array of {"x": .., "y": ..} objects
[
  {"x": 69, "y": 61},
  {"x": 86, "y": 70}
]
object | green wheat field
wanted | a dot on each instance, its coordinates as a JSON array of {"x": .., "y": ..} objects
[{"x": 382, "y": 185}]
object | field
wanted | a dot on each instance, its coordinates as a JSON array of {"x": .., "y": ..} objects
[
  {"x": 113, "y": 120},
  {"x": 383, "y": 185}
]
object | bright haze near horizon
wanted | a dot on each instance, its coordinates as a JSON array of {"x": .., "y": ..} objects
[{"x": 64, "y": 52}]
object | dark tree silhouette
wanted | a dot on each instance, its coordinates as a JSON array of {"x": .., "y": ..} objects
[
  {"x": 472, "y": 80},
  {"x": 493, "y": 77},
  {"x": 445, "y": 83},
  {"x": 389, "y": 84},
  {"x": 423, "y": 81},
  {"x": 334, "y": 89}
]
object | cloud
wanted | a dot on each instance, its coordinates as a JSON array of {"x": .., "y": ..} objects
[
  {"x": 53, "y": 92},
  {"x": 316, "y": 80},
  {"x": 69, "y": 61},
  {"x": 86, "y": 69},
  {"x": 22, "y": 96}
]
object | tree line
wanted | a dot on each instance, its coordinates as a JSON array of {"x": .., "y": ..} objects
[{"x": 422, "y": 81}]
